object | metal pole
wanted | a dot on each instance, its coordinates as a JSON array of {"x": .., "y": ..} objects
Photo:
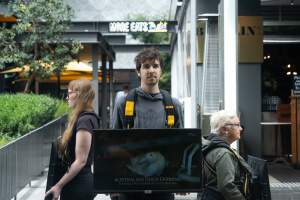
[
  {"x": 104, "y": 92},
  {"x": 111, "y": 89},
  {"x": 95, "y": 76}
]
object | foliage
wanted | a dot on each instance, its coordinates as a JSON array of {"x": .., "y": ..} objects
[
  {"x": 3, "y": 140},
  {"x": 36, "y": 39},
  {"x": 21, "y": 113},
  {"x": 156, "y": 38},
  {"x": 62, "y": 108},
  {"x": 165, "y": 79},
  {"x": 149, "y": 38}
]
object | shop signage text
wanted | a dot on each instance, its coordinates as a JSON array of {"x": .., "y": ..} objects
[
  {"x": 249, "y": 30},
  {"x": 140, "y": 26}
]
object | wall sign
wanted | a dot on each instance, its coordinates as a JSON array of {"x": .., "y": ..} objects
[
  {"x": 296, "y": 84},
  {"x": 139, "y": 26}
]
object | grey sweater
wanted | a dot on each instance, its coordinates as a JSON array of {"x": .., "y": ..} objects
[{"x": 149, "y": 111}]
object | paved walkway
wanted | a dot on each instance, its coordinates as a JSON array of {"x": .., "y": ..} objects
[
  {"x": 284, "y": 182},
  {"x": 36, "y": 191}
]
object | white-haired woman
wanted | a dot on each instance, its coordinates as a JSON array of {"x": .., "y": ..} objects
[
  {"x": 75, "y": 145},
  {"x": 225, "y": 171}
]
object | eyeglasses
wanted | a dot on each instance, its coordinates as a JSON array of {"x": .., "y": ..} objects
[
  {"x": 235, "y": 125},
  {"x": 147, "y": 66},
  {"x": 69, "y": 93}
]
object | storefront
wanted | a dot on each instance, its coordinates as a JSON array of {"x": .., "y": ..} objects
[{"x": 198, "y": 72}]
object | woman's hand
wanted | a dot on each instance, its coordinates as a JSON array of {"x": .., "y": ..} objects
[{"x": 55, "y": 191}]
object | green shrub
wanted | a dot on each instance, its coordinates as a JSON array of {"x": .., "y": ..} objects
[
  {"x": 3, "y": 140},
  {"x": 62, "y": 108},
  {"x": 21, "y": 113}
]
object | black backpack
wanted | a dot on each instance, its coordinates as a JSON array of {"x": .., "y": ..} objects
[{"x": 129, "y": 111}]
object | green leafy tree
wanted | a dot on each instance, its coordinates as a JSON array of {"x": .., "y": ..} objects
[
  {"x": 155, "y": 38},
  {"x": 149, "y": 38},
  {"x": 36, "y": 40}
]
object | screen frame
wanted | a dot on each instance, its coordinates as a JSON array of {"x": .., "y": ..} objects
[{"x": 98, "y": 133}]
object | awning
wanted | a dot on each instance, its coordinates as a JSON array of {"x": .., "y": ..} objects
[{"x": 73, "y": 70}]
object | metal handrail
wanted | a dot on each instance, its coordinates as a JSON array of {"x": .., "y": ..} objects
[{"x": 26, "y": 157}]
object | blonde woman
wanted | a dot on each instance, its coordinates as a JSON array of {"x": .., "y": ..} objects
[{"x": 75, "y": 145}]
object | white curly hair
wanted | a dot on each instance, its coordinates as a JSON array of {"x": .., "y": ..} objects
[{"x": 219, "y": 119}]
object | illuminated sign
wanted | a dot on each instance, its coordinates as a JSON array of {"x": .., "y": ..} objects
[{"x": 140, "y": 26}]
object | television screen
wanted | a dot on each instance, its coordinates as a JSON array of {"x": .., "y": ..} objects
[
  {"x": 147, "y": 160},
  {"x": 262, "y": 185}
]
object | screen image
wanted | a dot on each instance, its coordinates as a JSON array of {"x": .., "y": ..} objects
[{"x": 147, "y": 160}]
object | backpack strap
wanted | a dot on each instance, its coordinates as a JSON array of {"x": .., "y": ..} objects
[
  {"x": 171, "y": 113},
  {"x": 129, "y": 111}
]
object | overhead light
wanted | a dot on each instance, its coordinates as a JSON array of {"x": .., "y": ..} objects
[
  {"x": 288, "y": 66},
  {"x": 295, "y": 73},
  {"x": 292, "y": 2},
  {"x": 268, "y": 56},
  {"x": 288, "y": 73}
]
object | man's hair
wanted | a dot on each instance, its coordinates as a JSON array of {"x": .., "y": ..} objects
[
  {"x": 219, "y": 119},
  {"x": 148, "y": 54}
]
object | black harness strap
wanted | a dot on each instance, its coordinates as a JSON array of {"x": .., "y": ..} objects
[
  {"x": 129, "y": 110},
  {"x": 171, "y": 114}
]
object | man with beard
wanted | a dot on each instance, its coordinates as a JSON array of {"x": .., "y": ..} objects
[{"x": 147, "y": 107}]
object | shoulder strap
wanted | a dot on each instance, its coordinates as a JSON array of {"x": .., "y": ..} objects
[
  {"x": 171, "y": 112},
  {"x": 242, "y": 163},
  {"x": 129, "y": 111}
]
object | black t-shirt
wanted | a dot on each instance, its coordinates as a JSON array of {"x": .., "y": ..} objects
[{"x": 86, "y": 121}]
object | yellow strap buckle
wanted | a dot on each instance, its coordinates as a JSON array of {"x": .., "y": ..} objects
[
  {"x": 129, "y": 108},
  {"x": 171, "y": 120}
]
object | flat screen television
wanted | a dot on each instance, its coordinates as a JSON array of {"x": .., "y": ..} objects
[
  {"x": 261, "y": 189},
  {"x": 146, "y": 160}
]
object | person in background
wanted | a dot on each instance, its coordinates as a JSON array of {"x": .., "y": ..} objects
[
  {"x": 149, "y": 109},
  {"x": 75, "y": 145},
  {"x": 225, "y": 171},
  {"x": 122, "y": 93}
]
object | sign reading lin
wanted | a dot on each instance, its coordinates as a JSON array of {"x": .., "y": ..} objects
[{"x": 141, "y": 26}]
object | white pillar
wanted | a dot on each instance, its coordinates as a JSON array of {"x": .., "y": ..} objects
[
  {"x": 194, "y": 84},
  {"x": 230, "y": 55},
  {"x": 229, "y": 42}
]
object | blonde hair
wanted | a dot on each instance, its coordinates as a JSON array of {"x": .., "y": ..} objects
[
  {"x": 84, "y": 102},
  {"x": 219, "y": 119}
]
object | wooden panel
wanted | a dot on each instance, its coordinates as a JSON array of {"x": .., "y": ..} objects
[
  {"x": 297, "y": 127},
  {"x": 293, "y": 130}
]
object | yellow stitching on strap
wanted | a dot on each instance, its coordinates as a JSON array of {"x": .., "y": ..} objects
[
  {"x": 129, "y": 107},
  {"x": 171, "y": 120},
  {"x": 169, "y": 107}
]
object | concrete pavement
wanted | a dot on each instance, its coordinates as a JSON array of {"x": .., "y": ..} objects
[
  {"x": 37, "y": 187},
  {"x": 284, "y": 183}
]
